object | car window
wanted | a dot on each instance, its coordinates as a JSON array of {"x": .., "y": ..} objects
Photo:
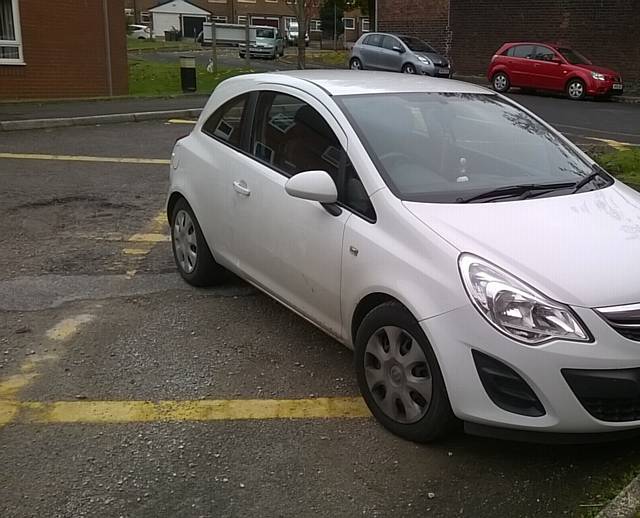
[
  {"x": 375, "y": 40},
  {"x": 417, "y": 45},
  {"x": 291, "y": 136},
  {"x": 543, "y": 54},
  {"x": 574, "y": 57},
  {"x": 443, "y": 147},
  {"x": 226, "y": 123},
  {"x": 264, "y": 33},
  {"x": 523, "y": 51},
  {"x": 388, "y": 42}
]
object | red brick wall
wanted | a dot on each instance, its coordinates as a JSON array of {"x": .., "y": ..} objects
[
  {"x": 426, "y": 19},
  {"x": 65, "y": 52},
  {"x": 605, "y": 30}
]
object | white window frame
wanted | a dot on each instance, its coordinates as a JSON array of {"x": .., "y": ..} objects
[
  {"x": 362, "y": 22},
  {"x": 219, "y": 19},
  {"x": 352, "y": 22},
  {"x": 315, "y": 25},
  {"x": 242, "y": 19},
  {"x": 18, "y": 39}
]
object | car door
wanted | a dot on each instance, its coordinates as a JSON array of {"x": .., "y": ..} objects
[
  {"x": 391, "y": 58},
  {"x": 548, "y": 74},
  {"x": 216, "y": 162},
  {"x": 290, "y": 247},
  {"x": 370, "y": 51},
  {"x": 520, "y": 65}
]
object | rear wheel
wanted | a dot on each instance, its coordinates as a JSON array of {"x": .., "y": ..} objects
[
  {"x": 355, "y": 64},
  {"x": 399, "y": 376},
  {"x": 576, "y": 90},
  {"x": 190, "y": 250},
  {"x": 501, "y": 82},
  {"x": 409, "y": 68}
]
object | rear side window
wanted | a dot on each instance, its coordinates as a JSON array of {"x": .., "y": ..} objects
[
  {"x": 522, "y": 51},
  {"x": 226, "y": 123}
]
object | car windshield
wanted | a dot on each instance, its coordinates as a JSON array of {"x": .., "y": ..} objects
[
  {"x": 264, "y": 33},
  {"x": 416, "y": 45},
  {"x": 449, "y": 147},
  {"x": 574, "y": 57}
]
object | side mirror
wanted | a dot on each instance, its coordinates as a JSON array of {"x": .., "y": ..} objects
[
  {"x": 312, "y": 185},
  {"x": 398, "y": 49}
]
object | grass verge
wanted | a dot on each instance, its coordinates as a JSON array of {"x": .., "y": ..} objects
[
  {"x": 333, "y": 58},
  {"x": 623, "y": 164},
  {"x": 149, "y": 78}
]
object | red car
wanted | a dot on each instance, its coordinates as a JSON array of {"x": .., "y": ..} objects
[{"x": 540, "y": 66}]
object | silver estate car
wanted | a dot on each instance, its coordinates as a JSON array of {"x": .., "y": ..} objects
[{"x": 397, "y": 53}]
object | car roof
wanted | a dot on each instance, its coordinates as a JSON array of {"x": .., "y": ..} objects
[
  {"x": 352, "y": 82},
  {"x": 546, "y": 43}
]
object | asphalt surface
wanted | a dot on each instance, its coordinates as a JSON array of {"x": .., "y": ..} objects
[{"x": 83, "y": 321}]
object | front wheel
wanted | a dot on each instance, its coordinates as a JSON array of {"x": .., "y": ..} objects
[
  {"x": 409, "y": 68},
  {"x": 355, "y": 64},
  {"x": 576, "y": 90},
  {"x": 399, "y": 376},
  {"x": 501, "y": 82}
]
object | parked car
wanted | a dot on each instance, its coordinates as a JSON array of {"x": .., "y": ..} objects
[
  {"x": 540, "y": 66},
  {"x": 292, "y": 32},
  {"x": 481, "y": 265},
  {"x": 269, "y": 43},
  {"x": 397, "y": 53},
  {"x": 140, "y": 32}
]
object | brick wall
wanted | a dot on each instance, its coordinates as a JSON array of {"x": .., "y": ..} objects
[
  {"x": 606, "y": 31},
  {"x": 65, "y": 51},
  {"x": 426, "y": 19}
]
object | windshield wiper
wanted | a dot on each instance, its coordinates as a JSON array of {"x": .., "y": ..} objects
[
  {"x": 597, "y": 172},
  {"x": 517, "y": 191}
]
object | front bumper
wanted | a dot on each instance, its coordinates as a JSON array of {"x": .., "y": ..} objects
[
  {"x": 433, "y": 70},
  {"x": 607, "y": 87},
  {"x": 456, "y": 334},
  {"x": 259, "y": 51}
]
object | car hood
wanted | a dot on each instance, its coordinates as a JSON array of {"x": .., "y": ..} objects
[
  {"x": 265, "y": 42},
  {"x": 581, "y": 249},
  {"x": 601, "y": 70},
  {"x": 433, "y": 56}
]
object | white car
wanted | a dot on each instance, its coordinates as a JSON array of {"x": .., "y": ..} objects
[
  {"x": 139, "y": 32},
  {"x": 483, "y": 268}
]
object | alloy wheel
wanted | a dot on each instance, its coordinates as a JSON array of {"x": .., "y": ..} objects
[
  {"x": 184, "y": 241},
  {"x": 576, "y": 90},
  {"x": 398, "y": 374},
  {"x": 409, "y": 69},
  {"x": 355, "y": 64},
  {"x": 500, "y": 82}
]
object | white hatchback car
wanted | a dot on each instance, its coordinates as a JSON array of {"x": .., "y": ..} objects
[
  {"x": 140, "y": 32},
  {"x": 482, "y": 266}
]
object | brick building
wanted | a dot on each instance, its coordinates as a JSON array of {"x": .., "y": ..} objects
[
  {"x": 277, "y": 13},
  {"x": 70, "y": 49},
  {"x": 469, "y": 32}
]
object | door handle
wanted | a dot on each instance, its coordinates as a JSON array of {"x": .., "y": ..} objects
[{"x": 241, "y": 188}]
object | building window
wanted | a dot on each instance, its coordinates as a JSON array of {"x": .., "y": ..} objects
[
  {"x": 365, "y": 25},
  {"x": 10, "y": 38},
  {"x": 349, "y": 24},
  {"x": 315, "y": 26},
  {"x": 219, "y": 19},
  {"x": 242, "y": 19},
  {"x": 145, "y": 18}
]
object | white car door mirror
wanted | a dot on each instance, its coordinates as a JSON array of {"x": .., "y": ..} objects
[{"x": 312, "y": 185}]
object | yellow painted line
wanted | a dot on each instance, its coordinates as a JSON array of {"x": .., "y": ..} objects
[
  {"x": 136, "y": 251},
  {"x": 8, "y": 411},
  {"x": 68, "y": 327},
  {"x": 621, "y": 146},
  {"x": 181, "y": 121},
  {"x": 9, "y": 387},
  {"x": 79, "y": 158},
  {"x": 150, "y": 238},
  {"x": 177, "y": 411}
]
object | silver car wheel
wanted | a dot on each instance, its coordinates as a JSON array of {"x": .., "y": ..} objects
[
  {"x": 409, "y": 69},
  {"x": 500, "y": 82},
  {"x": 398, "y": 374},
  {"x": 184, "y": 241},
  {"x": 576, "y": 90},
  {"x": 355, "y": 64}
]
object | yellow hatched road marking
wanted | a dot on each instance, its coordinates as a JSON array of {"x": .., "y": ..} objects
[
  {"x": 143, "y": 242},
  {"x": 175, "y": 411},
  {"x": 621, "y": 146},
  {"x": 150, "y": 238},
  {"x": 79, "y": 158},
  {"x": 181, "y": 121}
]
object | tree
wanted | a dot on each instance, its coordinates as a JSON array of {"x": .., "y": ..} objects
[
  {"x": 302, "y": 10},
  {"x": 331, "y": 15}
]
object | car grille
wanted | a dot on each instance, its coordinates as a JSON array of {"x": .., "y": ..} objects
[
  {"x": 624, "y": 319},
  {"x": 608, "y": 395}
]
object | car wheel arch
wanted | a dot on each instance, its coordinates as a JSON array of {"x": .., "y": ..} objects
[
  {"x": 171, "y": 203},
  {"x": 366, "y": 305}
]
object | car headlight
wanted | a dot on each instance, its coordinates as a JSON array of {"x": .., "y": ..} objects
[
  {"x": 516, "y": 309},
  {"x": 598, "y": 76},
  {"x": 424, "y": 60}
]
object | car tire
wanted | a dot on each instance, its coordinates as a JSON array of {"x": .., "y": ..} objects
[
  {"x": 576, "y": 89},
  {"x": 500, "y": 82},
  {"x": 409, "y": 68},
  {"x": 419, "y": 412},
  {"x": 191, "y": 253},
  {"x": 355, "y": 64}
]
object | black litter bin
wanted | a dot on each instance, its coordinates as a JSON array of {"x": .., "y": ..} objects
[{"x": 188, "y": 74}]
